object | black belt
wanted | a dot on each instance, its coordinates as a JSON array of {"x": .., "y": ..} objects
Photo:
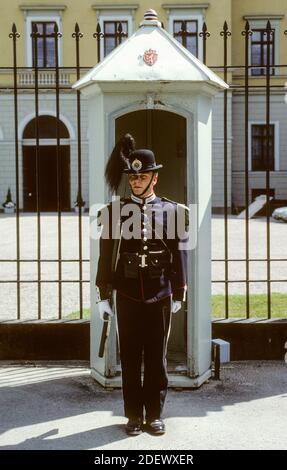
[{"x": 155, "y": 262}]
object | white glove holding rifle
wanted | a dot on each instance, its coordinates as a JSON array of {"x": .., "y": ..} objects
[
  {"x": 104, "y": 307},
  {"x": 176, "y": 305}
]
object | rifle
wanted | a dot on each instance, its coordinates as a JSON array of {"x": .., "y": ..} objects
[{"x": 105, "y": 334}]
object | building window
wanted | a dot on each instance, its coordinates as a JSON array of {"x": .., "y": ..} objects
[
  {"x": 260, "y": 160},
  {"x": 45, "y": 44},
  {"x": 111, "y": 36},
  {"x": 48, "y": 15},
  {"x": 186, "y": 32},
  {"x": 259, "y": 51}
]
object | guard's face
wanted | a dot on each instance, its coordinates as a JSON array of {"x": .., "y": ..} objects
[{"x": 138, "y": 182}]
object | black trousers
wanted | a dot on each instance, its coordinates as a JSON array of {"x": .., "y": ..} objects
[{"x": 143, "y": 331}]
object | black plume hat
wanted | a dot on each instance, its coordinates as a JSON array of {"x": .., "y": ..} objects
[
  {"x": 125, "y": 158},
  {"x": 141, "y": 161},
  {"x": 118, "y": 161}
]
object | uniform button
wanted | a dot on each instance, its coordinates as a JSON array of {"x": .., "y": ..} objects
[
  {"x": 144, "y": 230},
  {"x": 145, "y": 247},
  {"x": 144, "y": 207},
  {"x": 144, "y": 239}
]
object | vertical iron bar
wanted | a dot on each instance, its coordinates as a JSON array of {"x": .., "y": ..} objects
[
  {"x": 16, "y": 35},
  {"x": 225, "y": 33},
  {"x": 268, "y": 33},
  {"x": 77, "y": 35},
  {"x": 59, "y": 177},
  {"x": 120, "y": 33},
  {"x": 204, "y": 34},
  {"x": 246, "y": 33},
  {"x": 35, "y": 36},
  {"x": 183, "y": 33},
  {"x": 98, "y": 35}
]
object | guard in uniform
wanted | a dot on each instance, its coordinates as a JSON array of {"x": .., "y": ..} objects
[{"x": 148, "y": 274}]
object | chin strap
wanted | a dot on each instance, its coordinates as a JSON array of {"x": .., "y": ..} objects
[{"x": 139, "y": 195}]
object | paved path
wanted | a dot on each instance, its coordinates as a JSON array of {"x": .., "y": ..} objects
[{"x": 60, "y": 407}]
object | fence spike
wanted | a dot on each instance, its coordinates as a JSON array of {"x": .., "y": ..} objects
[
  {"x": 14, "y": 33},
  {"x": 77, "y": 33}
]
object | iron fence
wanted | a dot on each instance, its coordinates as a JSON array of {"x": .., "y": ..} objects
[{"x": 56, "y": 79}]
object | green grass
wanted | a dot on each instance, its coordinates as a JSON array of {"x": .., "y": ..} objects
[
  {"x": 237, "y": 307},
  {"x": 257, "y": 306},
  {"x": 76, "y": 315}
]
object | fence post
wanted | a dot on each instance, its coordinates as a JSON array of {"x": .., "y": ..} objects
[
  {"x": 225, "y": 33},
  {"x": 247, "y": 33},
  {"x": 15, "y": 35},
  {"x": 204, "y": 34},
  {"x": 78, "y": 35},
  {"x": 34, "y": 35}
]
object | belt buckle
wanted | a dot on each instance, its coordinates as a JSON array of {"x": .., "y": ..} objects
[{"x": 143, "y": 263}]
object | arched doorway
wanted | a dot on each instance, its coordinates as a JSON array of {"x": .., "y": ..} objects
[
  {"x": 46, "y": 170},
  {"x": 165, "y": 133}
]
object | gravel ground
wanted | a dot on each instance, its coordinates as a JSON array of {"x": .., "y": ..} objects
[{"x": 70, "y": 270}]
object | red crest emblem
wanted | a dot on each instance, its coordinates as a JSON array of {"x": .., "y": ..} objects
[{"x": 150, "y": 56}]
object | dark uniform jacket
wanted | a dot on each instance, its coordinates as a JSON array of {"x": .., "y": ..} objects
[{"x": 147, "y": 267}]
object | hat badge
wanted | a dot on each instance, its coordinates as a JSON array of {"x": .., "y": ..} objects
[{"x": 136, "y": 164}]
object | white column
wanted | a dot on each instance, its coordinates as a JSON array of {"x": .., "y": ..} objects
[{"x": 199, "y": 294}]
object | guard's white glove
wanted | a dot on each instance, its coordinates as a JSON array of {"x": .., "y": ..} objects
[
  {"x": 176, "y": 305},
  {"x": 104, "y": 307}
]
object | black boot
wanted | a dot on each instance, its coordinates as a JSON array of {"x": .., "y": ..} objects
[
  {"x": 134, "y": 426},
  {"x": 155, "y": 426}
]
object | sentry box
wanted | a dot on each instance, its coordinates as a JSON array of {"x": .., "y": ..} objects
[{"x": 154, "y": 88}]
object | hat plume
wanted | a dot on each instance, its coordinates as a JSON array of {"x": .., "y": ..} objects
[{"x": 118, "y": 160}]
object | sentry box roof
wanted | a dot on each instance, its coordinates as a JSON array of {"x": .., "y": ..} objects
[{"x": 151, "y": 54}]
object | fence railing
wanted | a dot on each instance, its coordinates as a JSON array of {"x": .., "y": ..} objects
[{"x": 59, "y": 78}]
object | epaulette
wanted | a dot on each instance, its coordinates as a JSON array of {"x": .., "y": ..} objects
[
  {"x": 181, "y": 205},
  {"x": 175, "y": 202},
  {"x": 168, "y": 200}
]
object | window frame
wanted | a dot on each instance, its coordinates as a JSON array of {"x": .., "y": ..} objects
[
  {"x": 113, "y": 16},
  {"x": 262, "y": 43},
  {"x": 276, "y": 145},
  {"x": 103, "y": 31},
  {"x": 188, "y": 15},
  {"x": 31, "y": 18},
  {"x": 260, "y": 23},
  {"x": 189, "y": 34},
  {"x": 44, "y": 45}
]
